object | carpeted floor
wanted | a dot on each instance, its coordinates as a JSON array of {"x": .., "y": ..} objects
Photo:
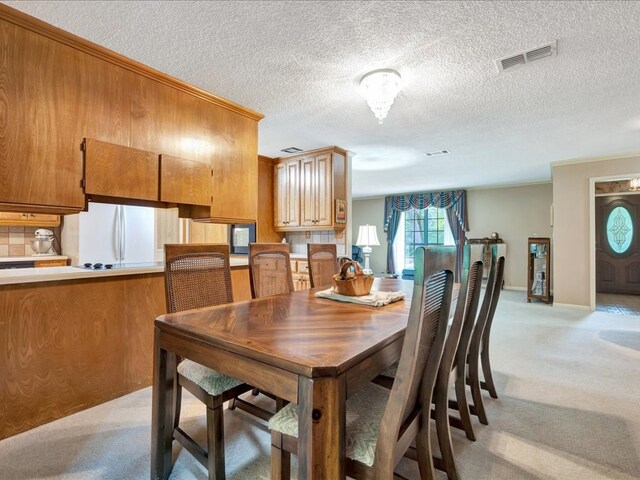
[{"x": 569, "y": 386}]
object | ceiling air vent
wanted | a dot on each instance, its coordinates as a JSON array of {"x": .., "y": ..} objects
[
  {"x": 522, "y": 58},
  {"x": 435, "y": 154},
  {"x": 291, "y": 150}
]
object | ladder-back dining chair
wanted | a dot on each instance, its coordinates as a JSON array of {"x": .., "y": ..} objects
[
  {"x": 270, "y": 269},
  {"x": 197, "y": 276},
  {"x": 382, "y": 423},
  {"x": 323, "y": 263},
  {"x": 479, "y": 346}
]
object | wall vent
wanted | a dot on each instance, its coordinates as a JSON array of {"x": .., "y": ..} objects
[
  {"x": 291, "y": 150},
  {"x": 522, "y": 58},
  {"x": 435, "y": 154}
]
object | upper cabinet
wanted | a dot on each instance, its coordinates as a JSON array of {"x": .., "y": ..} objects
[
  {"x": 306, "y": 187},
  {"x": 29, "y": 219},
  {"x": 123, "y": 172},
  {"x": 58, "y": 89}
]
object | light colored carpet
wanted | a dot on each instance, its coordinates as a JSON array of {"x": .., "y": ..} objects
[{"x": 569, "y": 386}]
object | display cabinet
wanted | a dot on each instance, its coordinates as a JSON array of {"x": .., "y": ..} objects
[{"x": 539, "y": 271}]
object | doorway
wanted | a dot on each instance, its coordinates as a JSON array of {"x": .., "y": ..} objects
[{"x": 617, "y": 255}]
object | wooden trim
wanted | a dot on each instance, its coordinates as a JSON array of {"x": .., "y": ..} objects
[
  {"x": 315, "y": 151},
  {"x": 27, "y": 208},
  {"x": 47, "y": 30}
]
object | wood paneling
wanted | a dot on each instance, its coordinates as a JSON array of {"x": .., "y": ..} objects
[
  {"x": 66, "y": 346},
  {"x": 185, "y": 181},
  {"x": 116, "y": 171}
]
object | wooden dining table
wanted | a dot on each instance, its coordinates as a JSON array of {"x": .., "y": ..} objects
[{"x": 307, "y": 350}]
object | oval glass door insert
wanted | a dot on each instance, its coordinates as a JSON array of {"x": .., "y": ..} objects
[{"x": 619, "y": 230}]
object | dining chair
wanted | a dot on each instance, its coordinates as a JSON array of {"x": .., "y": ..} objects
[
  {"x": 269, "y": 269},
  {"x": 382, "y": 423},
  {"x": 461, "y": 324},
  {"x": 479, "y": 345},
  {"x": 197, "y": 276},
  {"x": 323, "y": 263}
]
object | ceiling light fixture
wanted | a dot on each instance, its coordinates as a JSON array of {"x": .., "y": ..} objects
[
  {"x": 380, "y": 88},
  {"x": 634, "y": 184}
]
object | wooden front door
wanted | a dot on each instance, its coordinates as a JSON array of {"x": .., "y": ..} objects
[{"x": 617, "y": 255}]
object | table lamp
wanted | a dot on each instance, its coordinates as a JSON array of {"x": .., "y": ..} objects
[{"x": 367, "y": 237}]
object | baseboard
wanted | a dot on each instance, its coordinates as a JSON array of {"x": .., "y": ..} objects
[
  {"x": 572, "y": 305},
  {"x": 513, "y": 287}
]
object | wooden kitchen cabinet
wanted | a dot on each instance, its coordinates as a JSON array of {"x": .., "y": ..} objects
[
  {"x": 287, "y": 194},
  {"x": 29, "y": 219},
  {"x": 52, "y": 96},
  {"x": 300, "y": 275},
  {"x": 306, "y": 187},
  {"x": 316, "y": 192},
  {"x": 123, "y": 172},
  {"x": 185, "y": 181},
  {"x": 58, "y": 89}
]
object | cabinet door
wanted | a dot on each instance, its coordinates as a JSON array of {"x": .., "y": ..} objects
[
  {"x": 308, "y": 204},
  {"x": 116, "y": 171},
  {"x": 52, "y": 97},
  {"x": 185, "y": 181},
  {"x": 293, "y": 195},
  {"x": 323, "y": 191},
  {"x": 281, "y": 193}
]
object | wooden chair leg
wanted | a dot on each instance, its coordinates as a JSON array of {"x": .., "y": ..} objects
[
  {"x": 476, "y": 393},
  {"x": 215, "y": 442},
  {"x": 232, "y": 404},
  {"x": 463, "y": 405},
  {"x": 177, "y": 403},
  {"x": 425, "y": 454},
  {"x": 280, "y": 459},
  {"x": 486, "y": 371},
  {"x": 444, "y": 433}
]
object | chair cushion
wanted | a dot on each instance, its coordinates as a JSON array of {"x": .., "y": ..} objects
[
  {"x": 212, "y": 382},
  {"x": 390, "y": 371},
  {"x": 364, "y": 413}
]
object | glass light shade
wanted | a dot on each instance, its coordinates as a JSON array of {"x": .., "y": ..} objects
[
  {"x": 380, "y": 88},
  {"x": 367, "y": 236},
  {"x": 634, "y": 184}
]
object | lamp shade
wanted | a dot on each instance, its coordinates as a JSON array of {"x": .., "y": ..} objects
[{"x": 367, "y": 236}]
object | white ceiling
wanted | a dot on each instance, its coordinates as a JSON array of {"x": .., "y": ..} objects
[{"x": 298, "y": 63}]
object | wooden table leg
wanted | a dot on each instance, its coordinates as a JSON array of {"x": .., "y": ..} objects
[
  {"x": 162, "y": 411},
  {"x": 321, "y": 427}
]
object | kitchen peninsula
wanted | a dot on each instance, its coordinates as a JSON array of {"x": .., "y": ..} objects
[{"x": 74, "y": 338}]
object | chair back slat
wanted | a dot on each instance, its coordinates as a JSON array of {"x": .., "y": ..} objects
[
  {"x": 494, "y": 284},
  {"x": 197, "y": 276},
  {"x": 494, "y": 301},
  {"x": 422, "y": 348},
  {"x": 269, "y": 269},
  {"x": 323, "y": 263},
  {"x": 464, "y": 316}
]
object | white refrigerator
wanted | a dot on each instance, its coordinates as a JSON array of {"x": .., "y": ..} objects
[{"x": 116, "y": 234}]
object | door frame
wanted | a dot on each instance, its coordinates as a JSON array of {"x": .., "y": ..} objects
[{"x": 592, "y": 229}]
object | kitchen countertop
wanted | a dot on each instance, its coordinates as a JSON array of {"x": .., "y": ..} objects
[
  {"x": 33, "y": 258},
  {"x": 56, "y": 274}
]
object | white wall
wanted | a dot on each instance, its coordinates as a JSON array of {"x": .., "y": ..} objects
[
  {"x": 516, "y": 213},
  {"x": 371, "y": 211},
  {"x": 572, "y": 262}
]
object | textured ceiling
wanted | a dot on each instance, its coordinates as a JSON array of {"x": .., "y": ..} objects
[{"x": 299, "y": 62}]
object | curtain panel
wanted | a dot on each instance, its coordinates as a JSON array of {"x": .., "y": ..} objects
[{"x": 453, "y": 201}]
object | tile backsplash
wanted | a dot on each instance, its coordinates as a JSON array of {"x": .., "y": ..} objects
[
  {"x": 299, "y": 240},
  {"x": 16, "y": 241}
]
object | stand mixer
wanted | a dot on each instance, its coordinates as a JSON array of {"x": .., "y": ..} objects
[{"x": 42, "y": 244}]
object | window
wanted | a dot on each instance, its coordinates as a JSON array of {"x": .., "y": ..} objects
[{"x": 423, "y": 227}]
